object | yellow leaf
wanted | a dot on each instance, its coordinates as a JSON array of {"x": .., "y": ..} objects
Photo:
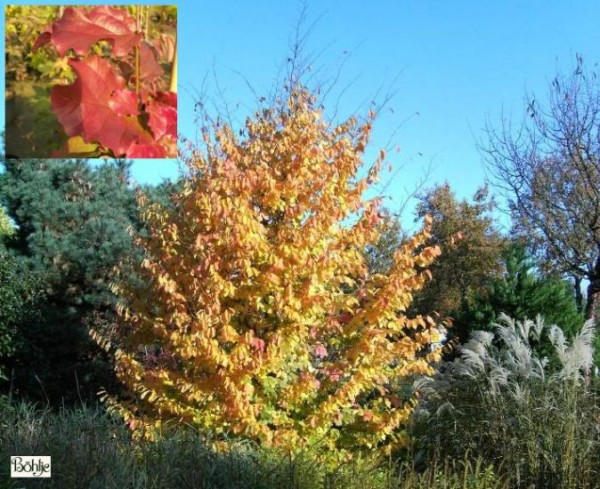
[{"x": 76, "y": 146}]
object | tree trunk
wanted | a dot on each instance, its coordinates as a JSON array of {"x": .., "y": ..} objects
[
  {"x": 591, "y": 305},
  {"x": 593, "y": 292},
  {"x": 593, "y": 297},
  {"x": 578, "y": 294}
]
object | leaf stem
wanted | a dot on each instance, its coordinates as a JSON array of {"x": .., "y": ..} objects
[
  {"x": 137, "y": 54},
  {"x": 173, "y": 84},
  {"x": 137, "y": 71}
]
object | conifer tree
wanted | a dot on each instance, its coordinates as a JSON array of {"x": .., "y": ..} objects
[
  {"x": 520, "y": 292},
  {"x": 71, "y": 225}
]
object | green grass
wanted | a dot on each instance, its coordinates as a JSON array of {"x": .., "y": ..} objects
[{"x": 89, "y": 449}]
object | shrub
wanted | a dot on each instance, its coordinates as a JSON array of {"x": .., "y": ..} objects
[{"x": 20, "y": 298}]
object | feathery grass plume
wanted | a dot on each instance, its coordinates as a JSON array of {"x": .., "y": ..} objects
[
  {"x": 577, "y": 358},
  {"x": 532, "y": 420}
]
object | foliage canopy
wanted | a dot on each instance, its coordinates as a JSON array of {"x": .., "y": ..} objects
[
  {"x": 471, "y": 247},
  {"x": 260, "y": 318}
]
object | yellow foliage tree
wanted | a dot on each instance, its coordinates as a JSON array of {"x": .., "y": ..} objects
[{"x": 260, "y": 316}]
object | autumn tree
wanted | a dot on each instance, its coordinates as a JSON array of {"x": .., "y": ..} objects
[
  {"x": 549, "y": 170},
  {"x": 259, "y": 318},
  {"x": 471, "y": 247}
]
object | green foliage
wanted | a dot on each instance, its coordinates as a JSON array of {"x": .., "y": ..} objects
[
  {"x": 6, "y": 227},
  {"x": 519, "y": 292},
  {"x": 503, "y": 402},
  {"x": 452, "y": 474},
  {"x": 31, "y": 127},
  {"x": 72, "y": 236},
  {"x": 19, "y": 305},
  {"x": 72, "y": 225},
  {"x": 24, "y": 23},
  {"x": 161, "y": 194}
]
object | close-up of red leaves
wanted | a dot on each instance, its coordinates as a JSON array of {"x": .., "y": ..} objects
[
  {"x": 117, "y": 100},
  {"x": 149, "y": 67},
  {"x": 79, "y": 30}
]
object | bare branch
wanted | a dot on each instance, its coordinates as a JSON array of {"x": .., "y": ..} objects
[{"x": 548, "y": 167}]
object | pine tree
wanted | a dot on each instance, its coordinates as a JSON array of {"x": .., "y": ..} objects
[
  {"x": 521, "y": 292},
  {"x": 71, "y": 232}
]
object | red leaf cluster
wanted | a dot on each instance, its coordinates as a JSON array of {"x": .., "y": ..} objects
[{"x": 99, "y": 106}]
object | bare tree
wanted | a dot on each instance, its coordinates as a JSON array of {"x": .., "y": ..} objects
[{"x": 549, "y": 169}]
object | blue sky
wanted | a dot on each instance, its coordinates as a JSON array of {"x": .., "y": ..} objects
[{"x": 455, "y": 64}]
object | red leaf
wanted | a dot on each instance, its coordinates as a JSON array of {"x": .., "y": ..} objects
[
  {"x": 154, "y": 150},
  {"x": 320, "y": 351},
  {"x": 163, "y": 118},
  {"x": 78, "y": 30},
  {"x": 334, "y": 374},
  {"x": 258, "y": 344},
  {"x": 149, "y": 68},
  {"x": 42, "y": 39},
  {"x": 344, "y": 318},
  {"x": 150, "y": 71},
  {"x": 123, "y": 102},
  {"x": 99, "y": 107}
]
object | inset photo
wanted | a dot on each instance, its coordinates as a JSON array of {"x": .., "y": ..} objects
[{"x": 91, "y": 81}]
